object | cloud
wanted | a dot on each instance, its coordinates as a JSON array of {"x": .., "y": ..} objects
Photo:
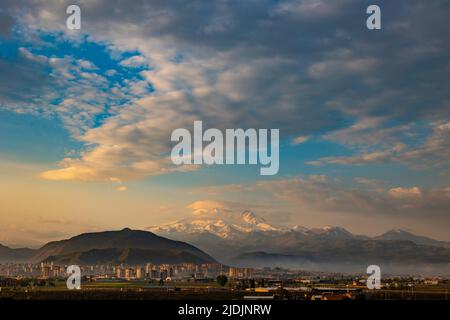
[
  {"x": 27, "y": 71},
  {"x": 134, "y": 62},
  {"x": 319, "y": 199},
  {"x": 6, "y": 24},
  {"x": 71, "y": 90},
  {"x": 231, "y": 211},
  {"x": 299, "y": 140},
  {"x": 329, "y": 195},
  {"x": 312, "y": 10},
  {"x": 361, "y": 159},
  {"x": 342, "y": 66},
  {"x": 405, "y": 193},
  {"x": 202, "y": 207},
  {"x": 368, "y": 182},
  {"x": 216, "y": 209},
  {"x": 122, "y": 188},
  {"x": 226, "y": 64},
  {"x": 433, "y": 152}
]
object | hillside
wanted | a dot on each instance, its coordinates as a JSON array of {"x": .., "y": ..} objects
[{"x": 110, "y": 246}]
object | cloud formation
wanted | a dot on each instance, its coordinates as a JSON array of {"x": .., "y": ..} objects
[
  {"x": 433, "y": 152},
  {"x": 224, "y": 62}
]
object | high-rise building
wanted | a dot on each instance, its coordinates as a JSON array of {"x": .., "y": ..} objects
[
  {"x": 247, "y": 272},
  {"x": 119, "y": 272},
  {"x": 140, "y": 274},
  {"x": 233, "y": 272},
  {"x": 45, "y": 271},
  {"x": 148, "y": 269},
  {"x": 128, "y": 273},
  {"x": 56, "y": 271},
  {"x": 240, "y": 272}
]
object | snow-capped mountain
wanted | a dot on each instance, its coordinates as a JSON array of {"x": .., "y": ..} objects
[
  {"x": 257, "y": 222},
  {"x": 224, "y": 225},
  {"x": 245, "y": 239},
  {"x": 235, "y": 226},
  {"x": 330, "y": 233},
  {"x": 223, "y": 231}
]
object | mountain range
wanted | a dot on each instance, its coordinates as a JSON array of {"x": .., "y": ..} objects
[
  {"x": 247, "y": 240},
  {"x": 244, "y": 239}
]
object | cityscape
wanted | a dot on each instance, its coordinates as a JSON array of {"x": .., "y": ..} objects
[
  {"x": 132, "y": 264},
  {"x": 209, "y": 281}
]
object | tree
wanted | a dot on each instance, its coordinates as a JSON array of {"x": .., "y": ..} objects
[{"x": 222, "y": 280}]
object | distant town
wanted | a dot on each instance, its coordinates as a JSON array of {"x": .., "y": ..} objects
[{"x": 207, "y": 281}]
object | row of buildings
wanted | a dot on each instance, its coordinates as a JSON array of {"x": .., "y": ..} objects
[
  {"x": 138, "y": 272},
  {"x": 127, "y": 272},
  {"x": 167, "y": 271}
]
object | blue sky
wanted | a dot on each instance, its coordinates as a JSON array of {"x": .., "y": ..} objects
[{"x": 364, "y": 116}]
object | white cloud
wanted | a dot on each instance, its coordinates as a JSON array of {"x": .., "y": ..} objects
[
  {"x": 342, "y": 66},
  {"x": 433, "y": 152},
  {"x": 405, "y": 193},
  {"x": 299, "y": 140},
  {"x": 122, "y": 188},
  {"x": 134, "y": 62}
]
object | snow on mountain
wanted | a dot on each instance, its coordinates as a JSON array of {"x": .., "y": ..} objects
[
  {"x": 331, "y": 232},
  {"x": 225, "y": 225},
  {"x": 251, "y": 218},
  {"x": 259, "y": 223},
  {"x": 300, "y": 229},
  {"x": 248, "y": 227},
  {"x": 216, "y": 220},
  {"x": 232, "y": 225}
]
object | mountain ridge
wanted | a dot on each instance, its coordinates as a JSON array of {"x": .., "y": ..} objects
[
  {"x": 250, "y": 223},
  {"x": 8, "y": 254},
  {"x": 401, "y": 234},
  {"x": 150, "y": 245},
  {"x": 235, "y": 238},
  {"x": 302, "y": 247}
]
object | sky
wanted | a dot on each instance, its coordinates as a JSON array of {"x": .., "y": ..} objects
[{"x": 86, "y": 115}]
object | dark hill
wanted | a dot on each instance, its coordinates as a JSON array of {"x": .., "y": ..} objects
[
  {"x": 109, "y": 246},
  {"x": 15, "y": 255}
]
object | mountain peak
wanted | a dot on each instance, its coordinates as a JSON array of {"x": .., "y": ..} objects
[
  {"x": 398, "y": 231},
  {"x": 299, "y": 228},
  {"x": 248, "y": 213},
  {"x": 225, "y": 224},
  {"x": 250, "y": 217},
  {"x": 404, "y": 235}
]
